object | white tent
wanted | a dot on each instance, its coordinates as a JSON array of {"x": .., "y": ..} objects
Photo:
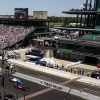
[
  {"x": 74, "y": 64},
  {"x": 49, "y": 60}
]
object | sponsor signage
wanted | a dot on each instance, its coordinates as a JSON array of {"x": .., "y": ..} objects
[
  {"x": 51, "y": 85},
  {"x": 43, "y": 82}
]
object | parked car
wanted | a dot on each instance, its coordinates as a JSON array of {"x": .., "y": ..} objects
[
  {"x": 21, "y": 86},
  {"x": 43, "y": 63},
  {"x": 96, "y": 74},
  {"x": 15, "y": 80},
  {"x": 38, "y": 62}
]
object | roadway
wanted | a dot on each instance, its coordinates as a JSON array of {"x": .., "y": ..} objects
[
  {"x": 35, "y": 89},
  {"x": 39, "y": 92},
  {"x": 92, "y": 89}
]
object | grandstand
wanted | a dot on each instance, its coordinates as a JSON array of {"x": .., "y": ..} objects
[
  {"x": 10, "y": 35},
  {"x": 86, "y": 46},
  {"x": 18, "y": 31},
  {"x": 78, "y": 50}
]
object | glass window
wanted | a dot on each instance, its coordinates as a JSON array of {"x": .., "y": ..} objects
[
  {"x": 98, "y": 3},
  {"x": 97, "y": 20}
]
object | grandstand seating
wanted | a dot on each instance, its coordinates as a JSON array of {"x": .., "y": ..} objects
[{"x": 10, "y": 34}]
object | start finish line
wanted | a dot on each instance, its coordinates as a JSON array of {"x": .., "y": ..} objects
[
  {"x": 43, "y": 82},
  {"x": 59, "y": 86},
  {"x": 51, "y": 85}
]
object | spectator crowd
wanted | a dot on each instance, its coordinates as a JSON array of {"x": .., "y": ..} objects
[{"x": 10, "y": 34}]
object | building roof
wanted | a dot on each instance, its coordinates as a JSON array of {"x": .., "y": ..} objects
[
  {"x": 78, "y": 53},
  {"x": 78, "y": 29},
  {"x": 81, "y": 42}
]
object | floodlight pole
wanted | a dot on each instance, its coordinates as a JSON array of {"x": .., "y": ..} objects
[
  {"x": 66, "y": 98},
  {"x": 2, "y": 88},
  {"x": 2, "y": 80},
  {"x": 3, "y": 72},
  {"x": 70, "y": 81}
]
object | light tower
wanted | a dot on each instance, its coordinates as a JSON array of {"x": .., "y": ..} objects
[{"x": 4, "y": 71}]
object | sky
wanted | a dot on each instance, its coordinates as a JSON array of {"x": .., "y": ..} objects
[{"x": 54, "y": 7}]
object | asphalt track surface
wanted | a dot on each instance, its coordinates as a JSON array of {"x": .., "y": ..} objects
[
  {"x": 34, "y": 88},
  {"x": 50, "y": 95},
  {"x": 92, "y": 89}
]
